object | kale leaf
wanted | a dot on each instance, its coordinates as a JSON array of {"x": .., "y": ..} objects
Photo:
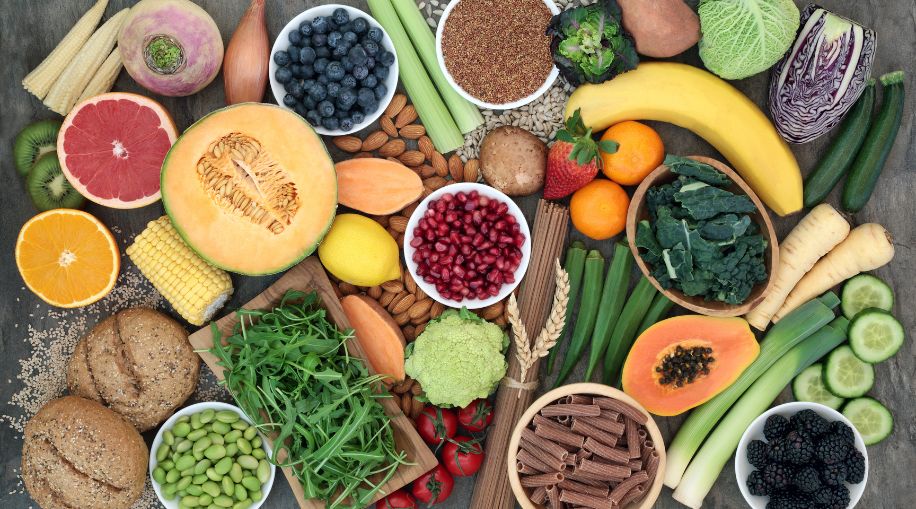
[
  {"x": 645, "y": 239},
  {"x": 726, "y": 228},
  {"x": 700, "y": 171},
  {"x": 703, "y": 201}
]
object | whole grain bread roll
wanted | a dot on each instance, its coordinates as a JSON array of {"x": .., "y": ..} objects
[
  {"x": 78, "y": 454},
  {"x": 139, "y": 363}
]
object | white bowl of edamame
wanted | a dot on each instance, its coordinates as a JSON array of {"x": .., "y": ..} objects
[{"x": 209, "y": 454}]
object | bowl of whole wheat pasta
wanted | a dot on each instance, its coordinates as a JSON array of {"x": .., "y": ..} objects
[{"x": 586, "y": 445}]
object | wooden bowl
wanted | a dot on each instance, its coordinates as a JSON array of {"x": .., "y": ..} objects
[
  {"x": 589, "y": 389},
  {"x": 637, "y": 212}
]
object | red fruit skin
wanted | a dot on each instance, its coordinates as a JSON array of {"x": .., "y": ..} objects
[
  {"x": 436, "y": 424},
  {"x": 462, "y": 463},
  {"x": 434, "y": 486},
  {"x": 398, "y": 500},
  {"x": 476, "y": 416},
  {"x": 564, "y": 177}
]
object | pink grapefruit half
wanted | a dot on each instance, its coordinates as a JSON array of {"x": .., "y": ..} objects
[{"x": 111, "y": 148}]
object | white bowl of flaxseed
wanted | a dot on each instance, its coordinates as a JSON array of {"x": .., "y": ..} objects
[{"x": 496, "y": 54}]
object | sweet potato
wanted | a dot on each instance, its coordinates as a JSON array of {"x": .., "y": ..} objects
[
  {"x": 661, "y": 28},
  {"x": 378, "y": 334},
  {"x": 376, "y": 186}
]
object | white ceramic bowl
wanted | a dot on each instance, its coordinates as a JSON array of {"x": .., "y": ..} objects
[
  {"x": 755, "y": 432},
  {"x": 193, "y": 409},
  {"x": 551, "y": 78},
  {"x": 483, "y": 190},
  {"x": 282, "y": 43}
]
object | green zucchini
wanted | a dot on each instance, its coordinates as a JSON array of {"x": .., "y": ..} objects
[
  {"x": 624, "y": 332},
  {"x": 574, "y": 264},
  {"x": 842, "y": 150},
  {"x": 588, "y": 312},
  {"x": 877, "y": 145},
  {"x": 613, "y": 297}
]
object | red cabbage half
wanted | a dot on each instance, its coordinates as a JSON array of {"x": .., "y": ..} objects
[{"x": 819, "y": 80}]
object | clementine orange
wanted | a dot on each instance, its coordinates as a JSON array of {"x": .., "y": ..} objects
[
  {"x": 599, "y": 210},
  {"x": 640, "y": 150}
]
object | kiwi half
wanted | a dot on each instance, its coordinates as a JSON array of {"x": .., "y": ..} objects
[
  {"x": 48, "y": 186},
  {"x": 36, "y": 140}
]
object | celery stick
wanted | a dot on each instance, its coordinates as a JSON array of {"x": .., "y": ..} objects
[
  {"x": 788, "y": 332},
  {"x": 466, "y": 115},
  {"x": 440, "y": 126},
  {"x": 716, "y": 451}
]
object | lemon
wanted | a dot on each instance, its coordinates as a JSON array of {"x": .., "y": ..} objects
[{"x": 359, "y": 251}]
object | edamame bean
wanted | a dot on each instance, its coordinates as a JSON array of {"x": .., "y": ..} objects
[
  {"x": 250, "y": 433},
  {"x": 240, "y": 425},
  {"x": 202, "y": 466},
  {"x": 201, "y": 444},
  {"x": 259, "y": 454},
  {"x": 227, "y": 416},
  {"x": 223, "y": 466},
  {"x": 213, "y": 475},
  {"x": 195, "y": 422},
  {"x": 263, "y": 471},
  {"x": 223, "y": 501},
  {"x": 215, "y": 452},
  {"x": 168, "y": 491},
  {"x": 197, "y": 434},
  {"x": 183, "y": 418},
  {"x": 255, "y": 495},
  {"x": 247, "y": 461},
  {"x": 232, "y": 436},
  {"x": 240, "y": 492},
  {"x": 168, "y": 437},
  {"x": 183, "y": 446},
  {"x": 228, "y": 486},
  {"x": 205, "y": 500},
  {"x": 167, "y": 465},
  {"x": 162, "y": 452},
  {"x": 172, "y": 476},
  {"x": 216, "y": 439},
  {"x": 199, "y": 479},
  {"x": 190, "y": 501},
  {"x": 221, "y": 427},
  {"x": 232, "y": 449},
  {"x": 195, "y": 490},
  {"x": 210, "y": 488},
  {"x": 159, "y": 475},
  {"x": 185, "y": 462},
  {"x": 242, "y": 504},
  {"x": 256, "y": 442},
  {"x": 207, "y": 415},
  {"x": 235, "y": 473},
  {"x": 198, "y": 455},
  {"x": 243, "y": 445},
  {"x": 181, "y": 429},
  {"x": 184, "y": 483},
  {"x": 251, "y": 484},
  {"x": 187, "y": 473}
]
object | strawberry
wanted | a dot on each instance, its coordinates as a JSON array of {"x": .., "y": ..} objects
[{"x": 573, "y": 159}]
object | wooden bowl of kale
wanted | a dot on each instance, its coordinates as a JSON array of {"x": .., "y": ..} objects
[{"x": 702, "y": 237}]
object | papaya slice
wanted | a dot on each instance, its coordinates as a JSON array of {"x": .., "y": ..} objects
[{"x": 683, "y": 362}]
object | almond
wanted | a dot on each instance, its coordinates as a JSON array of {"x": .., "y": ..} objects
[
  {"x": 363, "y": 155},
  {"x": 436, "y": 310},
  {"x": 406, "y": 403},
  {"x": 425, "y": 145},
  {"x": 382, "y": 220},
  {"x": 386, "y": 298},
  {"x": 408, "y": 210},
  {"x": 415, "y": 389},
  {"x": 456, "y": 167},
  {"x": 420, "y": 308},
  {"x": 420, "y": 319},
  {"x": 501, "y": 321},
  {"x": 409, "y": 333},
  {"x": 471, "y": 170},
  {"x": 416, "y": 407},
  {"x": 404, "y": 305},
  {"x": 426, "y": 171},
  {"x": 420, "y": 328},
  {"x": 401, "y": 387},
  {"x": 492, "y": 311},
  {"x": 392, "y": 148},
  {"x": 387, "y": 125},
  {"x": 393, "y": 286},
  {"x": 347, "y": 289},
  {"x": 439, "y": 163},
  {"x": 407, "y": 116},
  {"x": 434, "y": 183},
  {"x": 412, "y": 157},
  {"x": 412, "y": 131},
  {"x": 402, "y": 319},
  {"x": 398, "y": 223},
  {"x": 349, "y": 144},
  {"x": 374, "y": 141},
  {"x": 374, "y": 292},
  {"x": 409, "y": 284},
  {"x": 396, "y": 105}
]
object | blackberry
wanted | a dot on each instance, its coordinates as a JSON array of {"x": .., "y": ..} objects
[
  {"x": 832, "y": 449},
  {"x": 799, "y": 448},
  {"x": 756, "y": 485},
  {"x": 823, "y": 496},
  {"x": 789, "y": 500},
  {"x": 777, "y": 476},
  {"x": 776, "y": 427},
  {"x": 855, "y": 467},
  {"x": 810, "y": 423},
  {"x": 833, "y": 474},
  {"x": 777, "y": 451},
  {"x": 807, "y": 480},
  {"x": 840, "y": 499},
  {"x": 757, "y": 453}
]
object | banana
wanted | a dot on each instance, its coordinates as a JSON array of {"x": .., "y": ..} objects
[{"x": 694, "y": 99}]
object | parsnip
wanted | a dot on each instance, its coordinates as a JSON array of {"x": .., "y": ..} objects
[
  {"x": 81, "y": 69},
  {"x": 867, "y": 247},
  {"x": 40, "y": 80},
  {"x": 105, "y": 77},
  {"x": 814, "y": 236}
]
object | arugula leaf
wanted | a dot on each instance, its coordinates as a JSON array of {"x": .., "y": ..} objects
[
  {"x": 708, "y": 201},
  {"x": 700, "y": 171}
]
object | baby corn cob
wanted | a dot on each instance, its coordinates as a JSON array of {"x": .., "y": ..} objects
[
  {"x": 81, "y": 69},
  {"x": 195, "y": 288},
  {"x": 39, "y": 81},
  {"x": 104, "y": 79}
]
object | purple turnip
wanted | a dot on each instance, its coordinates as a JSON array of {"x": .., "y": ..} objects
[{"x": 171, "y": 47}]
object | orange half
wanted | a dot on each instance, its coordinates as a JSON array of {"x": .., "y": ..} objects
[{"x": 67, "y": 257}]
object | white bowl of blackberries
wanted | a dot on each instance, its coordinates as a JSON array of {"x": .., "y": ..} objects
[
  {"x": 801, "y": 456},
  {"x": 336, "y": 67}
]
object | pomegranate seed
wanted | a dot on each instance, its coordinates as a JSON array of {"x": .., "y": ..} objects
[
  {"x": 482, "y": 294},
  {"x": 484, "y": 201},
  {"x": 493, "y": 290},
  {"x": 509, "y": 278},
  {"x": 416, "y": 241},
  {"x": 447, "y": 197},
  {"x": 461, "y": 197},
  {"x": 434, "y": 258},
  {"x": 459, "y": 271}
]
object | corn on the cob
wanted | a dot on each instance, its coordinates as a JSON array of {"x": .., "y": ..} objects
[
  {"x": 105, "y": 77},
  {"x": 76, "y": 76},
  {"x": 40, "y": 80},
  {"x": 195, "y": 288}
]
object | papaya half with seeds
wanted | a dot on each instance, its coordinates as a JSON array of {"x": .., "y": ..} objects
[{"x": 683, "y": 362}]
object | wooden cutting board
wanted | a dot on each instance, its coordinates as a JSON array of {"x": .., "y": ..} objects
[{"x": 307, "y": 276}]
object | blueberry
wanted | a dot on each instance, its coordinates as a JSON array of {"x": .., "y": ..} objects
[
  {"x": 334, "y": 38},
  {"x": 289, "y": 85},
  {"x": 346, "y": 124},
  {"x": 283, "y": 75},
  {"x": 350, "y": 36},
  {"x": 308, "y": 84},
  {"x": 332, "y": 25},
  {"x": 300, "y": 109},
  {"x": 292, "y": 54},
  {"x": 340, "y": 114},
  {"x": 341, "y": 16},
  {"x": 333, "y": 89},
  {"x": 371, "y": 107},
  {"x": 323, "y": 79},
  {"x": 318, "y": 92},
  {"x": 376, "y": 34},
  {"x": 371, "y": 47},
  {"x": 358, "y": 55},
  {"x": 360, "y": 72},
  {"x": 347, "y": 64},
  {"x": 365, "y": 96},
  {"x": 320, "y": 25},
  {"x": 381, "y": 72},
  {"x": 358, "y": 117},
  {"x": 323, "y": 52},
  {"x": 319, "y": 40},
  {"x": 320, "y": 65},
  {"x": 346, "y": 99},
  {"x": 370, "y": 63},
  {"x": 307, "y": 55},
  {"x": 309, "y": 103},
  {"x": 341, "y": 50},
  {"x": 335, "y": 71},
  {"x": 331, "y": 123},
  {"x": 281, "y": 58},
  {"x": 326, "y": 109},
  {"x": 305, "y": 29},
  {"x": 345, "y": 27},
  {"x": 386, "y": 57},
  {"x": 295, "y": 38},
  {"x": 348, "y": 81},
  {"x": 296, "y": 70},
  {"x": 369, "y": 81},
  {"x": 289, "y": 100},
  {"x": 381, "y": 91},
  {"x": 313, "y": 118},
  {"x": 360, "y": 25},
  {"x": 295, "y": 89}
]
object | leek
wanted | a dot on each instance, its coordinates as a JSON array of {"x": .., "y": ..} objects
[
  {"x": 788, "y": 332},
  {"x": 466, "y": 115},
  {"x": 440, "y": 126},
  {"x": 715, "y": 453}
]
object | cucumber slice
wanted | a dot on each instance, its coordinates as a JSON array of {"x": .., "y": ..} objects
[
  {"x": 845, "y": 375},
  {"x": 866, "y": 291},
  {"x": 875, "y": 335},
  {"x": 872, "y": 419},
  {"x": 808, "y": 386}
]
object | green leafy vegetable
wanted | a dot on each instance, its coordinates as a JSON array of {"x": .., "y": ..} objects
[
  {"x": 590, "y": 45},
  {"x": 289, "y": 370}
]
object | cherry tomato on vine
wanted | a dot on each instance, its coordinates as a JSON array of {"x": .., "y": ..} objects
[
  {"x": 398, "y": 500},
  {"x": 434, "y": 486},
  {"x": 462, "y": 456},
  {"x": 436, "y": 424},
  {"x": 476, "y": 416}
]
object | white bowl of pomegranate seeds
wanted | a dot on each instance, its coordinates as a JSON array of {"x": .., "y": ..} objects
[{"x": 467, "y": 245}]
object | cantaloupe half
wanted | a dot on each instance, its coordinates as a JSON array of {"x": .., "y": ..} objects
[
  {"x": 724, "y": 346},
  {"x": 251, "y": 188}
]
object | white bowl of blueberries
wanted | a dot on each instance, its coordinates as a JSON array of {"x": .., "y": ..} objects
[{"x": 336, "y": 67}]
